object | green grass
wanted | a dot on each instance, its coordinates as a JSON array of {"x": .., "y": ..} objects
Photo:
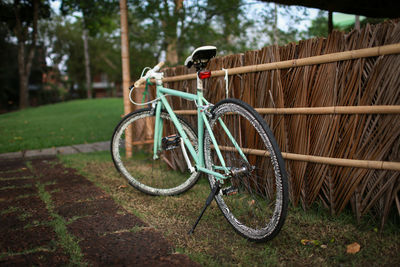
[
  {"x": 67, "y": 241},
  {"x": 215, "y": 243},
  {"x": 68, "y": 123}
]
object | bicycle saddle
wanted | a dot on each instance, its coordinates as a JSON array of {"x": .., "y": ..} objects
[{"x": 200, "y": 57}]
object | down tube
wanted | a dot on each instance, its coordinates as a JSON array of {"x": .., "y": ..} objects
[{"x": 180, "y": 130}]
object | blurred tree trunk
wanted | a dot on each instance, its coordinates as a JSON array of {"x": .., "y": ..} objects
[
  {"x": 170, "y": 28},
  {"x": 330, "y": 22},
  {"x": 172, "y": 52},
  {"x": 25, "y": 57},
  {"x": 87, "y": 63},
  {"x": 275, "y": 26},
  {"x": 357, "y": 23}
]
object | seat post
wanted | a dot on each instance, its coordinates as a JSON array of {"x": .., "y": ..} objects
[
  {"x": 200, "y": 66},
  {"x": 199, "y": 82}
]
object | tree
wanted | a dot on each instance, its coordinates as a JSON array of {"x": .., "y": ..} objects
[
  {"x": 174, "y": 27},
  {"x": 270, "y": 17},
  {"x": 319, "y": 25},
  {"x": 169, "y": 26},
  {"x": 8, "y": 70},
  {"x": 230, "y": 21},
  {"x": 95, "y": 13},
  {"x": 320, "y": 28},
  {"x": 22, "y": 19},
  {"x": 65, "y": 48}
]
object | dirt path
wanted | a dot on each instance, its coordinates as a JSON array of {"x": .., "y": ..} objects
[{"x": 50, "y": 216}]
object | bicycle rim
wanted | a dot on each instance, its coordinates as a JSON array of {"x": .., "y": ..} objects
[
  {"x": 254, "y": 201},
  {"x": 167, "y": 175}
]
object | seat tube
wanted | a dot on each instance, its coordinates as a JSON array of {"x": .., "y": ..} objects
[
  {"x": 158, "y": 128},
  {"x": 200, "y": 122}
]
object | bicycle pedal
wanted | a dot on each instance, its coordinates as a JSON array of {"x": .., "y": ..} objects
[
  {"x": 230, "y": 191},
  {"x": 170, "y": 142}
]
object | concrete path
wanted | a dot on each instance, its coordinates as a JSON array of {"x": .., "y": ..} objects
[{"x": 47, "y": 152}]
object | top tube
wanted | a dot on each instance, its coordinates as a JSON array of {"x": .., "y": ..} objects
[{"x": 173, "y": 92}]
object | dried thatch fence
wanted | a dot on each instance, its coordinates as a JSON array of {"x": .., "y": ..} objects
[{"x": 337, "y": 123}]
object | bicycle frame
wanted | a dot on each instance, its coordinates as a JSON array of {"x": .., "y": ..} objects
[{"x": 201, "y": 122}]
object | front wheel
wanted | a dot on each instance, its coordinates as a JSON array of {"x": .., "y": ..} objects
[
  {"x": 166, "y": 175},
  {"x": 254, "y": 199}
]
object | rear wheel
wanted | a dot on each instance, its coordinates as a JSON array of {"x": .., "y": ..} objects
[
  {"x": 167, "y": 175},
  {"x": 254, "y": 199}
]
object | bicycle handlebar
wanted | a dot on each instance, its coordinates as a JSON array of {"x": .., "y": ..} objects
[{"x": 148, "y": 74}]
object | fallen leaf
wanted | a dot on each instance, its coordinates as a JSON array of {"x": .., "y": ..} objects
[
  {"x": 305, "y": 242},
  {"x": 353, "y": 248},
  {"x": 324, "y": 246},
  {"x": 122, "y": 186},
  {"x": 316, "y": 242}
]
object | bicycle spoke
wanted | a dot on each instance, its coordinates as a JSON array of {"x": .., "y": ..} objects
[
  {"x": 253, "y": 207},
  {"x": 167, "y": 175}
]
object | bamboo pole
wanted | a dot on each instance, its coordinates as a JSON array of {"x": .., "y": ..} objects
[
  {"x": 125, "y": 71},
  {"x": 354, "y": 163},
  {"x": 379, "y": 109},
  {"x": 367, "y": 164},
  {"x": 145, "y": 142},
  {"x": 322, "y": 59}
]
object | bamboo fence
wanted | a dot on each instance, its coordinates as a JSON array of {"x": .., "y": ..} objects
[{"x": 333, "y": 105}]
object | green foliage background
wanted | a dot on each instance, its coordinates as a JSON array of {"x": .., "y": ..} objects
[{"x": 233, "y": 26}]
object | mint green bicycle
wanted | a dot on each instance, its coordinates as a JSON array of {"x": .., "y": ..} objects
[{"x": 232, "y": 145}]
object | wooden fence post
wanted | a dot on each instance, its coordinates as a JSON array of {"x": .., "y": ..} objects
[{"x": 125, "y": 71}]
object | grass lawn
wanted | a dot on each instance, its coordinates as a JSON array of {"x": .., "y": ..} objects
[
  {"x": 216, "y": 244},
  {"x": 67, "y": 123}
]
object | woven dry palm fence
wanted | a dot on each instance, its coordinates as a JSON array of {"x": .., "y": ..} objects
[{"x": 357, "y": 82}]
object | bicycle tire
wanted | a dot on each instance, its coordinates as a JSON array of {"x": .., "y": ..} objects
[
  {"x": 153, "y": 177},
  {"x": 255, "y": 201}
]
